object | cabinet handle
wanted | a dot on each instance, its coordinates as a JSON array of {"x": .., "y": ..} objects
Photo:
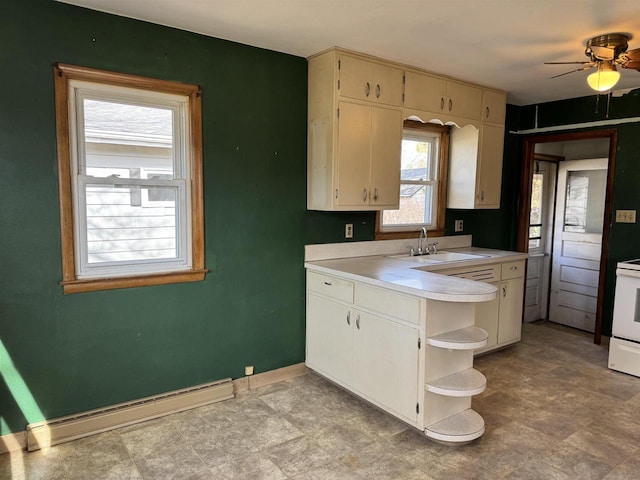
[
  {"x": 328, "y": 283},
  {"x": 450, "y": 104},
  {"x": 358, "y": 321},
  {"x": 441, "y": 103},
  {"x": 364, "y": 194},
  {"x": 377, "y": 90},
  {"x": 488, "y": 112},
  {"x": 367, "y": 90},
  {"x": 482, "y": 195},
  {"x": 375, "y": 194},
  {"x": 504, "y": 292},
  {"x": 349, "y": 318}
]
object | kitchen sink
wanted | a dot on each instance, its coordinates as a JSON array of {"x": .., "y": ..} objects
[{"x": 438, "y": 257}]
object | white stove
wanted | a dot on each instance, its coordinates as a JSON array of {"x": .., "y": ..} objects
[{"x": 624, "y": 348}]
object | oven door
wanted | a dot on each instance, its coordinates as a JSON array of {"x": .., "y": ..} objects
[{"x": 626, "y": 310}]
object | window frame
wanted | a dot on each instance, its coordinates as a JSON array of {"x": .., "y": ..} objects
[
  {"x": 72, "y": 282},
  {"x": 442, "y": 160}
]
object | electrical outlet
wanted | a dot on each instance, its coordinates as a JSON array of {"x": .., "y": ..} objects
[
  {"x": 625, "y": 216},
  {"x": 348, "y": 230},
  {"x": 248, "y": 370},
  {"x": 459, "y": 225}
]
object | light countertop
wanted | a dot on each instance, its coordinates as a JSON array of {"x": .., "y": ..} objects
[{"x": 418, "y": 276}]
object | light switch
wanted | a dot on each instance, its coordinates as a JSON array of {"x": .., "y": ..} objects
[{"x": 625, "y": 216}]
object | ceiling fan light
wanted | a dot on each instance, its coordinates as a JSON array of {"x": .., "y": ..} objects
[{"x": 605, "y": 78}]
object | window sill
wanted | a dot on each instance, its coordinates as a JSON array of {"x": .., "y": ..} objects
[
  {"x": 96, "y": 284},
  {"x": 407, "y": 234}
]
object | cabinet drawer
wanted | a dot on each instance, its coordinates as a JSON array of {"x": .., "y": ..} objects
[
  {"x": 389, "y": 303},
  {"x": 330, "y": 286},
  {"x": 481, "y": 273},
  {"x": 512, "y": 270}
]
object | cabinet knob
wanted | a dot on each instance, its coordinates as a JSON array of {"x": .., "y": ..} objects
[
  {"x": 364, "y": 194},
  {"x": 377, "y": 90},
  {"x": 367, "y": 90}
]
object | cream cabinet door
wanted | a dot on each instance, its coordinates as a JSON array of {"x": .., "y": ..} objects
[
  {"x": 510, "y": 317},
  {"x": 487, "y": 319},
  {"x": 489, "y": 179},
  {"x": 464, "y": 100},
  {"x": 386, "y": 146},
  {"x": 356, "y": 77},
  {"x": 354, "y": 155},
  {"x": 330, "y": 339},
  {"x": 424, "y": 92},
  {"x": 387, "y": 85},
  {"x": 494, "y": 107},
  {"x": 386, "y": 363}
]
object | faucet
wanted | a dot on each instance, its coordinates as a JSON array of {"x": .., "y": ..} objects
[{"x": 423, "y": 238}]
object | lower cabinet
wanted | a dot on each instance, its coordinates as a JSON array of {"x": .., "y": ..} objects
[
  {"x": 501, "y": 318},
  {"x": 375, "y": 357},
  {"x": 410, "y": 356}
]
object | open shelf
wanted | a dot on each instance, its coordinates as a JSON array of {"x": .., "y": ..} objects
[
  {"x": 461, "y": 427},
  {"x": 468, "y": 338},
  {"x": 461, "y": 384}
]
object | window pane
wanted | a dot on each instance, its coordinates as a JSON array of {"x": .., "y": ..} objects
[
  {"x": 121, "y": 227},
  {"x": 120, "y": 138},
  {"x": 534, "y": 232},
  {"x": 416, "y": 161},
  {"x": 415, "y": 206},
  {"x": 584, "y": 202},
  {"x": 536, "y": 198}
]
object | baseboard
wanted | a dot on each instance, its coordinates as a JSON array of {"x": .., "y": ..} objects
[
  {"x": 13, "y": 442},
  {"x": 267, "y": 378}
]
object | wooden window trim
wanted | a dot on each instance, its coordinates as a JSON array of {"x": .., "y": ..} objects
[
  {"x": 443, "y": 164},
  {"x": 70, "y": 283}
]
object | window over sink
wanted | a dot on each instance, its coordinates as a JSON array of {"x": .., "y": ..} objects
[{"x": 423, "y": 179}]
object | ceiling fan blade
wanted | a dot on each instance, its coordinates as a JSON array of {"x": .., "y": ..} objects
[
  {"x": 630, "y": 59},
  {"x": 603, "y": 53},
  {"x": 568, "y": 63},
  {"x": 573, "y": 71}
]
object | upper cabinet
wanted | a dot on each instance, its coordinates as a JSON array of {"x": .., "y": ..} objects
[
  {"x": 356, "y": 108},
  {"x": 440, "y": 99},
  {"x": 355, "y": 133},
  {"x": 361, "y": 79}
]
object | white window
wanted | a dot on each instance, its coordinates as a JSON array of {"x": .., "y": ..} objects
[
  {"x": 131, "y": 165},
  {"x": 421, "y": 178}
]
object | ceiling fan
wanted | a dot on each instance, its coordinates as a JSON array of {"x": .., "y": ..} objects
[{"x": 606, "y": 52}]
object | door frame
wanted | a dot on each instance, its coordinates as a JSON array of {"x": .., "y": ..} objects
[{"x": 524, "y": 201}]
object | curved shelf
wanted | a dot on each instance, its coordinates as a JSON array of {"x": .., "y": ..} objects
[
  {"x": 466, "y": 383},
  {"x": 468, "y": 338},
  {"x": 461, "y": 427}
]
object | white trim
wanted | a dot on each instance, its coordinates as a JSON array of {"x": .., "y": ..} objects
[
  {"x": 574, "y": 126},
  {"x": 181, "y": 166}
]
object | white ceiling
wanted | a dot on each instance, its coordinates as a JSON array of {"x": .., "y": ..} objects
[{"x": 497, "y": 43}]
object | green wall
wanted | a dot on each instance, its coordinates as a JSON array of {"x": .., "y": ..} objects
[{"x": 64, "y": 354}]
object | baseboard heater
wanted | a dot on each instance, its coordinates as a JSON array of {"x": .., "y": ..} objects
[{"x": 64, "y": 429}]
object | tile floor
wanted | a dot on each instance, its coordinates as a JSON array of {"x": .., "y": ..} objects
[{"x": 552, "y": 410}]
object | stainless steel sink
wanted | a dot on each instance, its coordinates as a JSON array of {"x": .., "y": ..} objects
[{"x": 438, "y": 257}]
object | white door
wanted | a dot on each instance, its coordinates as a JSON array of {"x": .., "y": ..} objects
[
  {"x": 540, "y": 235},
  {"x": 386, "y": 362},
  {"x": 330, "y": 339},
  {"x": 580, "y": 205}
]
